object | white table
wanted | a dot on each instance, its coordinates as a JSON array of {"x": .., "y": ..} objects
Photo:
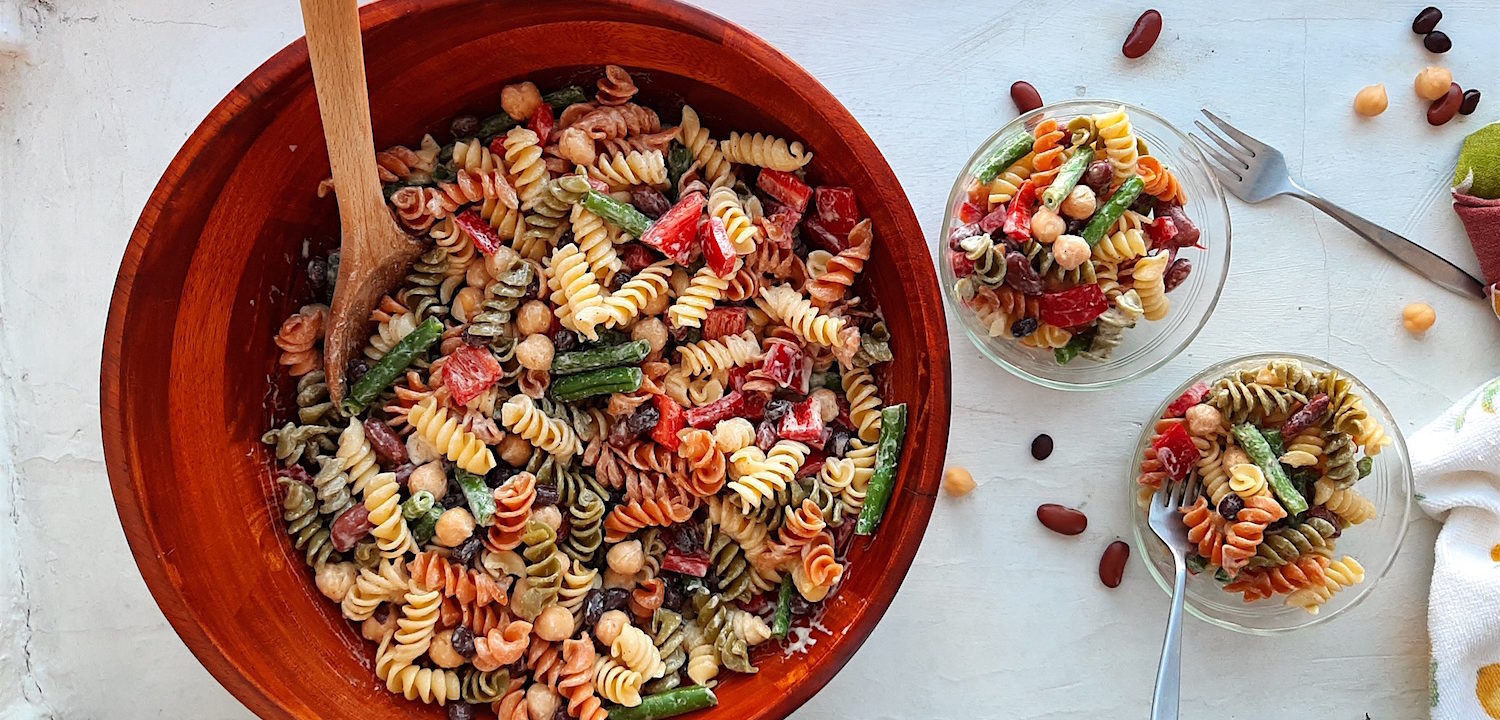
[{"x": 997, "y": 614}]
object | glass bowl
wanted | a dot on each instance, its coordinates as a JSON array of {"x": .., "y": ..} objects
[
  {"x": 1148, "y": 345},
  {"x": 1374, "y": 543}
]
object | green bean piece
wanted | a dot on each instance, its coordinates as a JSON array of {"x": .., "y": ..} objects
[
  {"x": 392, "y": 365},
  {"x": 630, "y": 353},
  {"x": 497, "y": 125},
  {"x": 421, "y": 512},
  {"x": 1106, "y": 217},
  {"x": 667, "y": 704},
  {"x": 1067, "y": 177},
  {"x": 564, "y": 97},
  {"x": 1010, "y": 150},
  {"x": 1365, "y": 466},
  {"x": 1275, "y": 440},
  {"x": 782, "y": 623},
  {"x": 623, "y": 216},
  {"x": 679, "y": 159},
  {"x": 1076, "y": 344},
  {"x": 1259, "y": 450},
  {"x": 597, "y": 382},
  {"x": 481, "y": 500},
  {"x": 887, "y": 452}
]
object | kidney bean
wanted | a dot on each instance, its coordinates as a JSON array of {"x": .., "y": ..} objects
[
  {"x": 1444, "y": 108},
  {"x": 650, "y": 202},
  {"x": 1329, "y": 515},
  {"x": 1112, "y": 564},
  {"x": 765, "y": 435},
  {"x": 1020, "y": 275},
  {"x": 351, "y": 527},
  {"x": 403, "y": 473},
  {"x": 1177, "y": 273},
  {"x": 1060, "y": 519},
  {"x": 1025, "y": 96},
  {"x": 1098, "y": 175},
  {"x": 1041, "y": 446},
  {"x": 1437, "y": 41},
  {"x": 960, "y": 232},
  {"x": 1307, "y": 417},
  {"x": 1470, "y": 103},
  {"x": 546, "y": 495},
  {"x": 1426, "y": 21},
  {"x": 1230, "y": 506},
  {"x": 384, "y": 442},
  {"x": 1142, "y": 35},
  {"x": 1187, "y": 232}
]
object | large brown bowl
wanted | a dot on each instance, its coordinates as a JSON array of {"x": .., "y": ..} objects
[{"x": 212, "y": 269}]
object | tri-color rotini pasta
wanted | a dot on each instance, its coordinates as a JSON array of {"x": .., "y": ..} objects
[{"x": 613, "y": 420}]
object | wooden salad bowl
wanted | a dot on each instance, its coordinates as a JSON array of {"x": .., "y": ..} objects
[{"x": 214, "y": 266}]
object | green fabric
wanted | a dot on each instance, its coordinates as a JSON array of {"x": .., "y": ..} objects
[{"x": 1479, "y": 163}]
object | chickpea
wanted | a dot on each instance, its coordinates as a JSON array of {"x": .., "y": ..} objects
[
  {"x": 335, "y": 579},
  {"x": 609, "y": 626},
  {"x": 1047, "y": 226},
  {"x": 1235, "y": 455},
  {"x": 418, "y": 450},
  {"x": 541, "y": 702},
  {"x": 1080, "y": 203},
  {"x": 958, "y": 481},
  {"x": 613, "y": 579},
  {"x": 1070, "y": 251},
  {"x": 501, "y": 261},
  {"x": 453, "y": 527},
  {"x": 429, "y": 477},
  {"x": 828, "y": 404},
  {"x": 555, "y": 624},
  {"x": 1418, "y": 318},
  {"x": 535, "y": 352},
  {"x": 533, "y": 318},
  {"x": 520, "y": 100},
  {"x": 626, "y": 558},
  {"x": 1433, "y": 82},
  {"x": 653, "y": 331},
  {"x": 515, "y": 450},
  {"x": 466, "y": 302},
  {"x": 441, "y": 651},
  {"x": 576, "y": 146},
  {"x": 1204, "y": 420},
  {"x": 548, "y": 515},
  {"x": 1371, "y": 101},
  {"x": 377, "y": 626},
  {"x": 658, "y": 304},
  {"x": 518, "y": 591}
]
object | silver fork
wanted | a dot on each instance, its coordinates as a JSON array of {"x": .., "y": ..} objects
[
  {"x": 1255, "y": 171},
  {"x": 1166, "y": 522}
]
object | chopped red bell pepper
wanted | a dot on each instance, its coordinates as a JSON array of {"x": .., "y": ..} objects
[
  {"x": 737, "y": 375},
  {"x": 637, "y": 257},
  {"x": 497, "y": 145},
  {"x": 962, "y": 265},
  {"x": 1176, "y": 451},
  {"x": 470, "y": 370},
  {"x": 718, "y": 254},
  {"x": 822, "y": 238},
  {"x": 781, "y": 362},
  {"x": 786, "y": 188},
  {"x": 542, "y": 121},
  {"x": 674, "y": 232},
  {"x": 993, "y": 221},
  {"x": 802, "y": 381},
  {"x": 485, "y": 238},
  {"x": 723, "y": 321},
  {"x": 673, "y": 418},
  {"x": 785, "y": 218},
  {"x": 1018, "y": 219},
  {"x": 709, "y": 415},
  {"x": 1161, "y": 231},
  {"x": 1189, "y": 397},
  {"x": 1072, "y": 307},
  {"x": 803, "y": 423},
  {"x": 837, "y": 208},
  {"x": 684, "y": 562},
  {"x": 814, "y": 462},
  {"x": 970, "y": 212}
]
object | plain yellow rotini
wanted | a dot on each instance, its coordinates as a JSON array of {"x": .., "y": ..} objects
[
  {"x": 621, "y": 171},
  {"x": 386, "y": 582},
  {"x": 1247, "y": 480},
  {"x": 1305, "y": 449},
  {"x": 770, "y": 475},
  {"x": 863, "y": 458},
  {"x": 524, "y": 167},
  {"x": 616, "y": 683},
  {"x": 359, "y": 459},
  {"x": 575, "y": 291},
  {"x": 1337, "y": 576},
  {"x": 698, "y": 140},
  {"x": 1348, "y": 504},
  {"x": 702, "y": 663},
  {"x": 837, "y": 474},
  {"x": 435, "y": 426},
  {"x": 635, "y": 649},
  {"x": 597, "y": 243},
  {"x": 389, "y": 332},
  {"x": 383, "y": 500},
  {"x": 794, "y": 311},
  {"x": 1150, "y": 279},
  {"x": 1211, "y": 470},
  {"x": 577, "y": 581},
  {"x": 1047, "y": 337},
  {"x": 474, "y": 156},
  {"x": 622, "y": 306},
  {"x": 733, "y": 434},
  {"x": 864, "y": 404},
  {"x": 1119, "y": 142},
  {"x": 694, "y": 302},
  {"x": 1120, "y": 246},
  {"x": 1005, "y": 185},
  {"x": 522, "y": 417},
  {"x": 1371, "y": 436},
  {"x": 767, "y": 151},
  {"x": 430, "y": 685},
  {"x": 712, "y": 356},
  {"x": 725, "y": 205}
]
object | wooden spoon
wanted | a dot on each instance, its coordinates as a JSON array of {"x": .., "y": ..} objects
[{"x": 374, "y": 252}]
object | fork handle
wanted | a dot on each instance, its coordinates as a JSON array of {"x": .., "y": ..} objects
[
  {"x": 1169, "y": 674},
  {"x": 1424, "y": 261}
]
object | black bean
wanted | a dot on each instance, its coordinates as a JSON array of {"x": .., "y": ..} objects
[
  {"x": 1143, "y": 203},
  {"x": 317, "y": 274},
  {"x": 1437, "y": 41},
  {"x": 651, "y": 203},
  {"x": 642, "y": 420},
  {"x": 464, "y": 126},
  {"x": 460, "y": 710},
  {"x": 776, "y": 409},
  {"x": 454, "y": 498},
  {"x": 1470, "y": 103},
  {"x": 838, "y": 443},
  {"x": 1041, "y": 446},
  {"x": 497, "y": 477},
  {"x": 466, "y": 550},
  {"x": 672, "y": 597},
  {"x": 463, "y": 641},
  {"x": 357, "y": 369},
  {"x": 1426, "y": 21},
  {"x": 593, "y": 607},
  {"x": 1023, "y": 327},
  {"x": 1230, "y": 507},
  {"x": 616, "y": 599},
  {"x": 562, "y": 711},
  {"x": 546, "y": 495},
  {"x": 685, "y": 538},
  {"x": 1075, "y": 227},
  {"x": 564, "y": 340}
]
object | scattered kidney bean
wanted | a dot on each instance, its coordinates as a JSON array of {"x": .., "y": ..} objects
[
  {"x": 1020, "y": 275},
  {"x": 1426, "y": 20},
  {"x": 1060, "y": 519},
  {"x": 1112, "y": 564},
  {"x": 1041, "y": 446},
  {"x": 1230, "y": 506},
  {"x": 961, "y": 232},
  {"x": 1098, "y": 176},
  {"x": 1176, "y": 273},
  {"x": 384, "y": 442},
  {"x": 1470, "y": 103},
  {"x": 1307, "y": 417},
  {"x": 1142, "y": 35},
  {"x": 1444, "y": 108},
  {"x": 1025, "y": 96},
  {"x": 1437, "y": 41},
  {"x": 350, "y": 527}
]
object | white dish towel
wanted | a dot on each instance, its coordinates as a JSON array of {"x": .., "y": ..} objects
[{"x": 1456, "y": 461}]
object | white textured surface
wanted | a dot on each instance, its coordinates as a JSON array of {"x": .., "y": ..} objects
[{"x": 996, "y": 612}]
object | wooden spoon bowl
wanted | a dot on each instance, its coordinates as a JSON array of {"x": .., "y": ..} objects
[{"x": 215, "y": 264}]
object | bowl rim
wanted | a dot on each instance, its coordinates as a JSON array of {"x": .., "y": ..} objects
[
  {"x": 922, "y": 463},
  {"x": 980, "y": 342},
  {"x": 1143, "y": 537}
]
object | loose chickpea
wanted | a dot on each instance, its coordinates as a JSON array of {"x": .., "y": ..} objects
[
  {"x": 576, "y": 146},
  {"x": 1235, "y": 455},
  {"x": 541, "y": 702},
  {"x": 555, "y": 624},
  {"x": 609, "y": 626},
  {"x": 957, "y": 481},
  {"x": 335, "y": 579},
  {"x": 1371, "y": 101},
  {"x": 1204, "y": 420},
  {"x": 1433, "y": 82},
  {"x": 1080, "y": 203},
  {"x": 1070, "y": 251},
  {"x": 1047, "y": 226},
  {"x": 518, "y": 591},
  {"x": 442, "y": 653},
  {"x": 653, "y": 331},
  {"x": 828, "y": 403},
  {"x": 658, "y": 304},
  {"x": 626, "y": 558},
  {"x": 377, "y": 626},
  {"x": 548, "y": 515},
  {"x": 502, "y": 261},
  {"x": 429, "y": 477},
  {"x": 466, "y": 303},
  {"x": 520, "y": 100},
  {"x": 1418, "y": 318},
  {"x": 419, "y": 451},
  {"x": 453, "y": 527},
  {"x": 535, "y": 352},
  {"x": 614, "y": 579},
  {"x": 515, "y": 450},
  {"x": 533, "y": 318}
]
